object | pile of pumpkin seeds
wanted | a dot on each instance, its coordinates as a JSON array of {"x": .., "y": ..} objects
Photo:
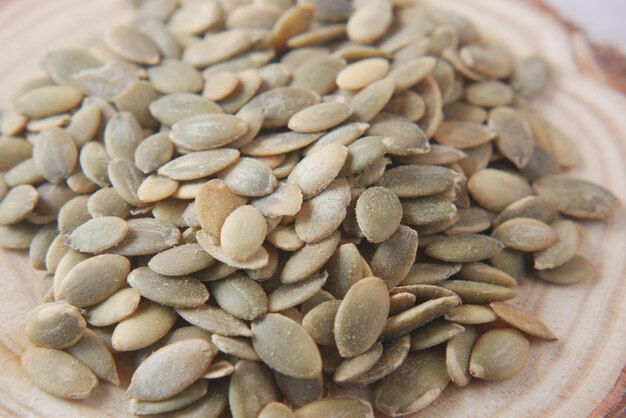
[{"x": 268, "y": 202}]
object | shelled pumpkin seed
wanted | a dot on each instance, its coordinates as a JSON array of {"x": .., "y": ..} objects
[{"x": 329, "y": 192}]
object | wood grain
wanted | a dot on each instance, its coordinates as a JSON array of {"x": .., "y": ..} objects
[{"x": 580, "y": 375}]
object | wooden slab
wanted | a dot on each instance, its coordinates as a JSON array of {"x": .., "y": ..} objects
[{"x": 580, "y": 375}]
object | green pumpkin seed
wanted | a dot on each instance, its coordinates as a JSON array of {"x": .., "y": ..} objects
[
  {"x": 576, "y": 198},
  {"x": 281, "y": 103},
  {"x": 335, "y": 408},
  {"x": 427, "y": 210},
  {"x": 285, "y": 200},
  {"x": 318, "y": 73},
  {"x": 463, "y": 248},
  {"x": 240, "y": 296},
  {"x": 300, "y": 391},
  {"x": 378, "y": 213},
  {"x": 462, "y": 134},
  {"x": 151, "y": 384},
  {"x": 72, "y": 215},
  {"x": 394, "y": 257},
  {"x": 276, "y": 410},
  {"x": 577, "y": 269},
  {"x": 480, "y": 272},
  {"x": 362, "y": 73},
  {"x": 94, "y": 161},
  {"x": 48, "y": 101},
  {"x": 419, "y": 315},
  {"x": 62, "y": 64},
  {"x": 237, "y": 347},
  {"x": 414, "y": 385},
  {"x": 251, "y": 388},
  {"x": 181, "y": 260},
  {"x": 55, "y": 325},
  {"x": 58, "y": 373},
  {"x": 525, "y": 234},
  {"x": 115, "y": 308},
  {"x": 95, "y": 354},
  {"x": 13, "y": 151},
  {"x": 173, "y": 108},
  {"x": 98, "y": 235},
  {"x": 402, "y": 137},
  {"x": 182, "y": 292},
  {"x": 489, "y": 94},
  {"x": 243, "y": 232},
  {"x": 187, "y": 397},
  {"x": 259, "y": 259},
  {"x": 530, "y": 76},
  {"x": 458, "y": 351},
  {"x": 317, "y": 36},
  {"x": 344, "y": 270},
  {"x": 498, "y": 354},
  {"x": 434, "y": 333},
  {"x": 147, "y": 236},
  {"x": 515, "y": 139},
  {"x": 136, "y": 99},
  {"x": 40, "y": 245},
  {"x": 369, "y": 22},
  {"x": 400, "y": 302},
  {"x": 491, "y": 62},
  {"x": 418, "y": 180},
  {"x": 320, "y": 117},
  {"x": 249, "y": 177},
  {"x": 528, "y": 207},
  {"x": 18, "y": 204},
  {"x": 132, "y": 45},
  {"x": 494, "y": 189},
  {"x": 214, "y": 202},
  {"x": 430, "y": 93},
  {"x": 55, "y": 154},
  {"x": 462, "y": 111},
  {"x": 407, "y": 104},
  {"x": 207, "y": 131},
  {"x": 522, "y": 321},
  {"x": 326, "y": 163},
  {"x": 294, "y": 354},
  {"x": 218, "y": 369},
  {"x": 107, "y": 202},
  {"x": 355, "y": 367},
  {"x": 568, "y": 240},
  {"x": 320, "y": 216},
  {"x": 368, "y": 103},
  {"x": 475, "y": 292},
  {"x": 309, "y": 259},
  {"x": 394, "y": 354},
  {"x": 471, "y": 315},
  {"x": 292, "y": 22},
  {"x": 319, "y": 322},
  {"x": 511, "y": 262},
  {"x": 356, "y": 328},
  {"x": 215, "y": 320},
  {"x": 289, "y": 295},
  {"x": 430, "y": 273},
  {"x": 197, "y": 165},
  {"x": 126, "y": 178}
]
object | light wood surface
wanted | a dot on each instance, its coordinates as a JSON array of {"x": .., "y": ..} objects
[{"x": 580, "y": 375}]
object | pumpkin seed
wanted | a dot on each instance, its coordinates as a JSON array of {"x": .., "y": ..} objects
[
  {"x": 251, "y": 387},
  {"x": 133, "y": 45},
  {"x": 243, "y": 232},
  {"x": 378, "y": 213},
  {"x": 475, "y": 292},
  {"x": 289, "y": 295},
  {"x": 462, "y": 134},
  {"x": 356, "y": 328},
  {"x": 576, "y": 198},
  {"x": 530, "y": 76},
  {"x": 320, "y": 117},
  {"x": 285, "y": 200},
  {"x": 55, "y": 325},
  {"x": 568, "y": 240},
  {"x": 480, "y": 272},
  {"x": 471, "y": 314},
  {"x": 320, "y": 216},
  {"x": 249, "y": 177},
  {"x": 355, "y": 367},
  {"x": 458, "y": 351},
  {"x": 182, "y": 292},
  {"x": 145, "y": 326},
  {"x": 495, "y": 189},
  {"x": 401, "y": 136},
  {"x": 147, "y": 236},
  {"x": 187, "y": 397},
  {"x": 369, "y": 22},
  {"x": 427, "y": 210},
  {"x": 489, "y": 94},
  {"x": 280, "y": 143},
  {"x": 522, "y": 321},
  {"x": 285, "y": 238},
  {"x": 259, "y": 259},
  {"x": 462, "y": 111},
  {"x": 295, "y": 354},
  {"x": 115, "y": 308},
  {"x": 430, "y": 273},
  {"x": 55, "y": 154},
  {"x": 417, "y": 180},
  {"x": 326, "y": 163},
  {"x": 18, "y": 204},
  {"x": 434, "y": 333},
  {"x": 58, "y": 373},
  {"x": 525, "y": 234},
  {"x": 498, "y": 354},
  {"x": 300, "y": 391},
  {"x": 107, "y": 202},
  {"x": 394, "y": 257},
  {"x": 317, "y": 73},
  {"x": 218, "y": 369},
  {"x": 48, "y": 101},
  {"x": 215, "y": 320},
  {"x": 344, "y": 270},
  {"x": 319, "y": 322},
  {"x": 151, "y": 384},
  {"x": 40, "y": 245},
  {"x": 515, "y": 139},
  {"x": 394, "y": 354},
  {"x": 491, "y": 62},
  {"x": 309, "y": 259},
  {"x": 98, "y": 235},
  {"x": 181, "y": 260},
  {"x": 407, "y": 104},
  {"x": 414, "y": 385},
  {"x": 240, "y": 296},
  {"x": 281, "y": 103},
  {"x": 207, "y": 131},
  {"x": 126, "y": 178},
  {"x": 368, "y": 103},
  {"x": 362, "y": 73},
  {"x": 419, "y": 315},
  {"x": 173, "y": 108},
  {"x": 14, "y": 151},
  {"x": 72, "y": 215},
  {"x": 276, "y": 410},
  {"x": 577, "y": 269},
  {"x": 400, "y": 302},
  {"x": 237, "y": 347},
  {"x": 95, "y": 354}
]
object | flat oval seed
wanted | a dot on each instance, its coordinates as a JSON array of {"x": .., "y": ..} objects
[
  {"x": 300, "y": 391},
  {"x": 122, "y": 135},
  {"x": 115, "y": 308},
  {"x": 361, "y": 316},
  {"x": 293, "y": 353},
  {"x": 319, "y": 322},
  {"x": 528, "y": 207},
  {"x": 496, "y": 189},
  {"x": 279, "y": 143},
  {"x": 362, "y": 154},
  {"x": 498, "y": 354},
  {"x": 320, "y": 117},
  {"x": 55, "y": 154},
  {"x": 62, "y": 64},
  {"x": 412, "y": 72},
  {"x": 336, "y": 408},
  {"x": 368, "y": 103},
  {"x": 126, "y": 179},
  {"x": 72, "y": 215},
  {"x": 281, "y": 103},
  {"x": 568, "y": 240},
  {"x": 530, "y": 76},
  {"x": 434, "y": 333},
  {"x": 309, "y": 259},
  {"x": 215, "y": 320},
  {"x": 430, "y": 273},
  {"x": 147, "y": 236},
  {"x": 290, "y": 295},
  {"x": 461, "y": 134},
  {"x": 181, "y": 260},
  {"x": 292, "y": 22},
  {"x": 418, "y": 180},
  {"x": 259, "y": 259},
  {"x": 378, "y": 213},
  {"x": 237, "y": 347},
  {"x": 489, "y": 94},
  {"x": 394, "y": 257},
  {"x": 214, "y": 202},
  {"x": 475, "y": 292},
  {"x": 148, "y": 324},
  {"x": 95, "y": 279},
  {"x": 369, "y": 22},
  {"x": 322, "y": 215},
  {"x": 96, "y": 355},
  {"x": 243, "y": 232},
  {"x": 153, "y": 152},
  {"x": 577, "y": 269},
  {"x": 187, "y": 397},
  {"x": 93, "y": 162},
  {"x": 414, "y": 385},
  {"x": 463, "y": 248},
  {"x": 402, "y": 137},
  {"x": 419, "y": 315},
  {"x": 173, "y": 108},
  {"x": 515, "y": 138},
  {"x": 249, "y": 177},
  {"x": 58, "y": 373},
  {"x": 133, "y": 45},
  {"x": 315, "y": 172},
  {"x": 240, "y": 296},
  {"x": 317, "y": 73},
  {"x": 480, "y": 272},
  {"x": 107, "y": 202},
  {"x": 40, "y": 245},
  {"x": 285, "y": 200},
  {"x": 18, "y": 204},
  {"x": 55, "y": 325},
  {"x": 276, "y": 410},
  {"x": 525, "y": 234},
  {"x": 180, "y": 292},
  {"x": 14, "y": 151},
  {"x": 577, "y": 198},
  {"x": 355, "y": 367},
  {"x": 48, "y": 101},
  {"x": 99, "y": 234},
  {"x": 173, "y": 76},
  {"x": 522, "y": 321},
  {"x": 471, "y": 314},
  {"x": 207, "y": 131},
  {"x": 362, "y": 73},
  {"x": 251, "y": 388},
  {"x": 427, "y": 210},
  {"x": 185, "y": 360},
  {"x": 458, "y": 351},
  {"x": 198, "y": 165}
]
